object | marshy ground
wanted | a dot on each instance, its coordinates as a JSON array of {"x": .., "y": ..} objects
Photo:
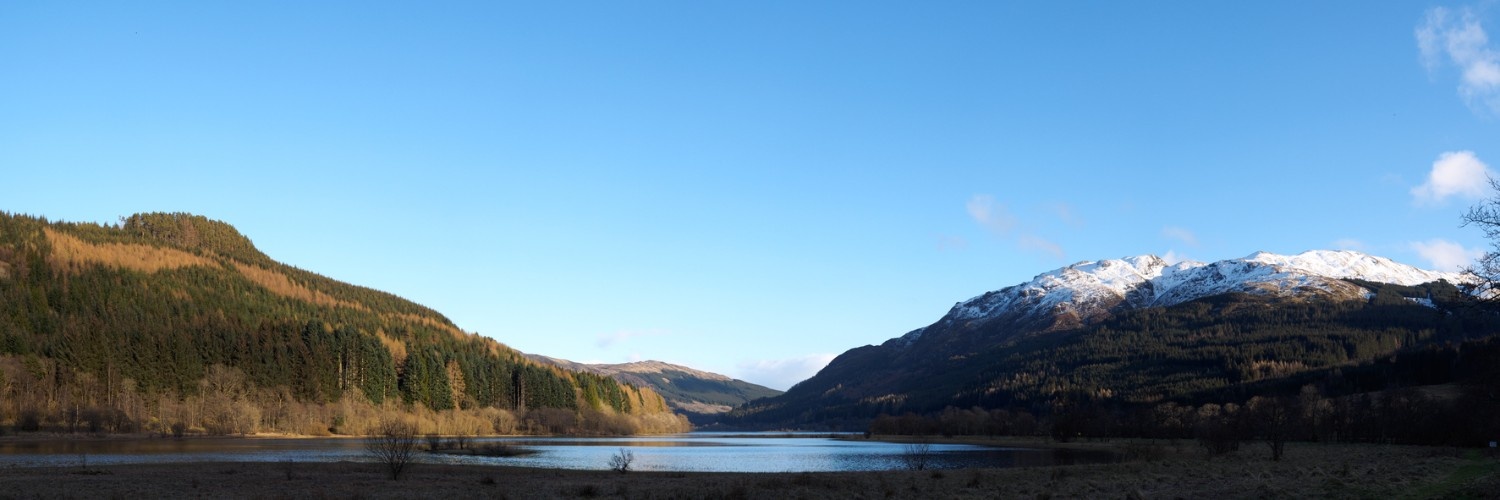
[{"x": 1154, "y": 470}]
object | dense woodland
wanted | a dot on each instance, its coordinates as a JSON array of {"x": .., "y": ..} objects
[
  {"x": 1340, "y": 406},
  {"x": 1409, "y": 364},
  {"x": 176, "y": 323}
]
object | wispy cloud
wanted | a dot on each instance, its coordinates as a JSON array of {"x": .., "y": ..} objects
[
  {"x": 1040, "y": 244},
  {"x": 1445, "y": 255},
  {"x": 1065, "y": 213},
  {"x": 1180, "y": 234},
  {"x": 781, "y": 374},
  {"x": 1172, "y": 257},
  {"x": 1456, "y": 37},
  {"x": 1457, "y": 173},
  {"x": 992, "y": 215},
  {"x": 1349, "y": 244},
  {"x": 606, "y": 340}
]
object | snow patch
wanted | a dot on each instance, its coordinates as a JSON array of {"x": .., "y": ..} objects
[{"x": 1422, "y": 301}]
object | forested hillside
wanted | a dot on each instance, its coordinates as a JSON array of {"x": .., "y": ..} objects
[
  {"x": 1108, "y": 377},
  {"x": 176, "y": 320}
]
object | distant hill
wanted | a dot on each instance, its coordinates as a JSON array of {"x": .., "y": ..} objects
[
  {"x": 698, "y": 394},
  {"x": 1140, "y": 331},
  {"x": 166, "y": 310}
]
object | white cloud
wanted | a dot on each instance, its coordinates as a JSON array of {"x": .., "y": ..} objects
[
  {"x": 1180, "y": 234},
  {"x": 605, "y": 340},
  {"x": 990, "y": 214},
  {"x": 1446, "y": 255},
  {"x": 1454, "y": 173},
  {"x": 781, "y": 374},
  {"x": 1172, "y": 257},
  {"x": 1458, "y": 38}
]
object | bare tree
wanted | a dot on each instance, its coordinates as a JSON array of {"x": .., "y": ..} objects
[
  {"x": 1276, "y": 419},
  {"x": 1486, "y": 270},
  {"x": 917, "y": 455},
  {"x": 393, "y": 444},
  {"x": 620, "y": 462}
]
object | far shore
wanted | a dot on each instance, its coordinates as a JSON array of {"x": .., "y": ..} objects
[
  {"x": 1039, "y": 442},
  {"x": 61, "y": 436},
  {"x": 49, "y": 436}
]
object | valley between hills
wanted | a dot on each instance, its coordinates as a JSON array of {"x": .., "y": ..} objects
[{"x": 172, "y": 324}]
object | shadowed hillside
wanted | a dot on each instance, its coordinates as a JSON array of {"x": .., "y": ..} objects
[{"x": 1018, "y": 368}]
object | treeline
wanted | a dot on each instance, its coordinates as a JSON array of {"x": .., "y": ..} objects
[
  {"x": 41, "y": 395},
  {"x": 144, "y": 311},
  {"x": 1405, "y": 416},
  {"x": 1340, "y": 406}
]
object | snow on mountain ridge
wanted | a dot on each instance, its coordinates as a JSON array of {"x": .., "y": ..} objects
[
  {"x": 1346, "y": 264},
  {"x": 1090, "y": 289}
]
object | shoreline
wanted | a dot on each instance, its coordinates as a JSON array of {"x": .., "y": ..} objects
[
  {"x": 45, "y": 437},
  {"x": 1308, "y": 470},
  {"x": 1028, "y": 442}
]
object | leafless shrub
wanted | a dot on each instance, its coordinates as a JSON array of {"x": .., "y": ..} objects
[
  {"x": 917, "y": 455},
  {"x": 620, "y": 462},
  {"x": 393, "y": 445}
]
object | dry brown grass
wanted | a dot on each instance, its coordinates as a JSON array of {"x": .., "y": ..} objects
[{"x": 1331, "y": 471}]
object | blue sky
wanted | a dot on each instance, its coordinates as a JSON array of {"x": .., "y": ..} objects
[{"x": 753, "y": 187}]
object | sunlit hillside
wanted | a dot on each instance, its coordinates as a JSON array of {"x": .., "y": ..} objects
[{"x": 177, "y": 323}]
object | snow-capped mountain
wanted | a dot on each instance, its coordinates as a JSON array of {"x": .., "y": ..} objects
[
  {"x": 1075, "y": 330},
  {"x": 1087, "y": 291}
]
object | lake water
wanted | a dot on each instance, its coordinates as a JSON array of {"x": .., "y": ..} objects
[{"x": 748, "y": 452}]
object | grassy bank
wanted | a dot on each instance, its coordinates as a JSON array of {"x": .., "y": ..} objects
[{"x": 1333, "y": 471}]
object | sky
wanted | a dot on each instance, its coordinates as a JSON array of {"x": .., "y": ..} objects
[{"x": 752, "y": 188}]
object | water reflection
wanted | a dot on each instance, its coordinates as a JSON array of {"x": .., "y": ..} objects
[{"x": 686, "y": 452}]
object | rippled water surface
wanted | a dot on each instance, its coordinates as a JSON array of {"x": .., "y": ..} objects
[{"x": 748, "y": 452}]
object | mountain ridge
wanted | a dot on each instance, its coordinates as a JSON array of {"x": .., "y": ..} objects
[
  {"x": 698, "y": 394},
  {"x": 1193, "y": 326},
  {"x": 1089, "y": 289}
]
